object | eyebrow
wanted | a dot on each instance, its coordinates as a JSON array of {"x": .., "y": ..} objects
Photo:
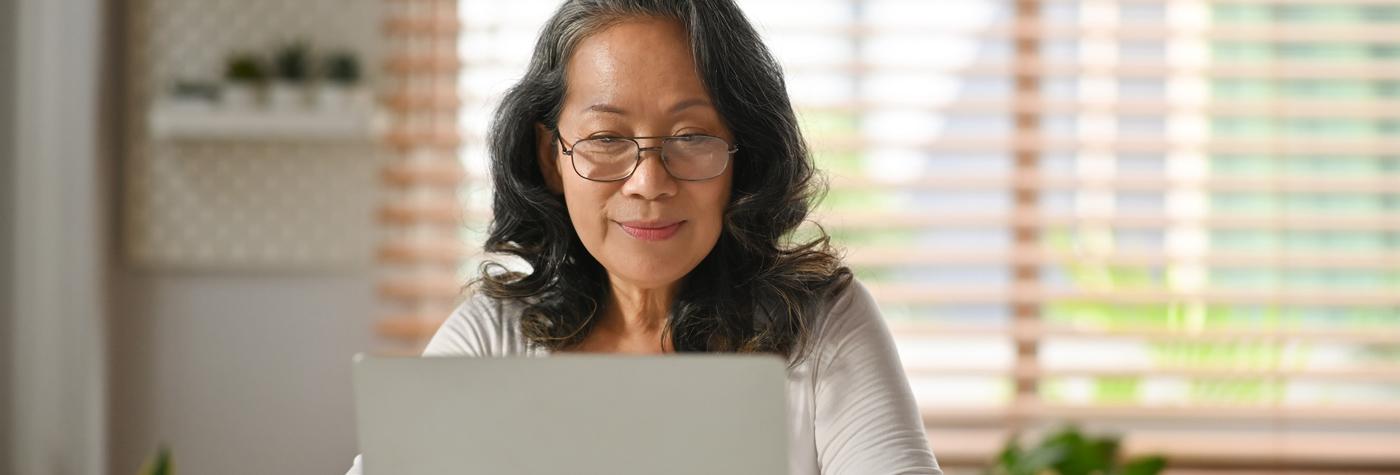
[{"x": 606, "y": 108}]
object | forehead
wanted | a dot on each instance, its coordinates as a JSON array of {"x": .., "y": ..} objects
[{"x": 636, "y": 62}]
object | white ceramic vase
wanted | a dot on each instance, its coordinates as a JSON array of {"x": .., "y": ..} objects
[
  {"x": 239, "y": 95},
  {"x": 288, "y": 96}
]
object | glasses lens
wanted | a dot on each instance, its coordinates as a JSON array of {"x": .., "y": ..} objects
[
  {"x": 604, "y": 158},
  {"x": 696, "y": 157}
]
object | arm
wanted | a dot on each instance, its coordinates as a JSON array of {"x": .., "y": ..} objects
[{"x": 866, "y": 417}]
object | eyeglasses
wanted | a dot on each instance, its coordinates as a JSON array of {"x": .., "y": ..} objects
[{"x": 685, "y": 157}]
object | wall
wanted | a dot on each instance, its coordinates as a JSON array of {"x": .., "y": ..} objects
[
  {"x": 238, "y": 369},
  {"x": 237, "y": 372},
  {"x": 8, "y": 32},
  {"x": 259, "y": 203}
]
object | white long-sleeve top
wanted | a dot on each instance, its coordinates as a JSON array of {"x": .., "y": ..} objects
[{"x": 850, "y": 410}]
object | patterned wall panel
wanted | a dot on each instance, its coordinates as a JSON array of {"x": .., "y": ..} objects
[{"x": 250, "y": 203}]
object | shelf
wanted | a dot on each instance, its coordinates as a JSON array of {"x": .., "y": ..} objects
[{"x": 210, "y": 122}]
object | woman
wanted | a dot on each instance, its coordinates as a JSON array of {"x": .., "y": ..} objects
[{"x": 649, "y": 168}]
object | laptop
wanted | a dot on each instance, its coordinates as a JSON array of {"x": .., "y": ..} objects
[{"x": 576, "y": 414}]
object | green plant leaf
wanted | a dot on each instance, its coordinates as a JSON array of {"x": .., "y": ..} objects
[
  {"x": 159, "y": 464},
  {"x": 1041, "y": 459},
  {"x": 1144, "y": 466},
  {"x": 342, "y": 68},
  {"x": 1100, "y": 455},
  {"x": 1010, "y": 455},
  {"x": 1076, "y": 458},
  {"x": 1069, "y": 451},
  {"x": 292, "y": 61},
  {"x": 1087, "y": 455},
  {"x": 245, "y": 68}
]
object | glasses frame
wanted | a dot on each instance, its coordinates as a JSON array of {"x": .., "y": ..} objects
[{"x": 568, "y": 150}]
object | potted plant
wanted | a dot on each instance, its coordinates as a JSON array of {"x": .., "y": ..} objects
[
  {"x": 244, "y": 77},
  {"x": 340, "y": 87},
  {"x": 293, "y": 67},
  {"x": 194, "y": 94},
  {"x": 1070, "y": 452},
  {"x": 158, "y": 464}
]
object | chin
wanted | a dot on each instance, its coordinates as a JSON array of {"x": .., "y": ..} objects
[
  {"x": 655, "y": 271},
  {"x": 651, "y": 277}
]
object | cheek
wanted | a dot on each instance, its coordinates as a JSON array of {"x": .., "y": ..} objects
[
  {"x": 586, "y": 206},
  {"x": 707, "y": 207},
  {"x": 712, "y": 203}
]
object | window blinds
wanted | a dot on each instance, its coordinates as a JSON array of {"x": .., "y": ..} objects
[{"x": 1176, "y": 220}]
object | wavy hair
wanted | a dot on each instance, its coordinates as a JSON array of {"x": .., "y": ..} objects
[{"x": 759, "y": 288}]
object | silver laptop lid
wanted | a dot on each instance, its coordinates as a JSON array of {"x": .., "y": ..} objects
[{"x": 603, "y": 414}]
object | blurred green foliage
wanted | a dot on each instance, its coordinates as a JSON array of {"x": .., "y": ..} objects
[
  {"x": 1071, "y": 452},
  {"x": 159, "y": 464}
]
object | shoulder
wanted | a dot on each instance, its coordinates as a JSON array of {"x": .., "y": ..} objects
[
  {"x": 480, "y": 326},
  {"x": 846, "y": 308},
  {"x": 850, "y": 320}
]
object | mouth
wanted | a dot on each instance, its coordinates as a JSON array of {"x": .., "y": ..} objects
[{"x": 651, "y": 230}]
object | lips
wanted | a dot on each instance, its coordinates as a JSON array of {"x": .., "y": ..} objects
[{"x": 651, "y": 230}]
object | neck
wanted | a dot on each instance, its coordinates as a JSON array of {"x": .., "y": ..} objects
[{"x": 638, "y": 310}]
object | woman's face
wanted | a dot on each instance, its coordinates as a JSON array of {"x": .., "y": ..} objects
[{"x": 638, "y": 79}]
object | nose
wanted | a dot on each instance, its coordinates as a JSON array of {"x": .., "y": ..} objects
[{"x": 650, "y": 181}]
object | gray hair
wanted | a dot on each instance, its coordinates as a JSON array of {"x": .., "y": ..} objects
[{"x": 756, "y": 291}]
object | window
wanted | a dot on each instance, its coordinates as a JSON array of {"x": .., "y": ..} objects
[{"x": 1177, "y": 220}]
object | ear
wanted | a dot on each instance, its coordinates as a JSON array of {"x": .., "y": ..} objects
[{"x": 547, "y": 153}]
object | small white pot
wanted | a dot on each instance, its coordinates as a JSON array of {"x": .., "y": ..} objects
[
  {"x": 239, "y": 95},
  {"x": 288, "y": 96},
  {"x": 340, "y": 97},
  {"x": 333, "y": 97}
]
